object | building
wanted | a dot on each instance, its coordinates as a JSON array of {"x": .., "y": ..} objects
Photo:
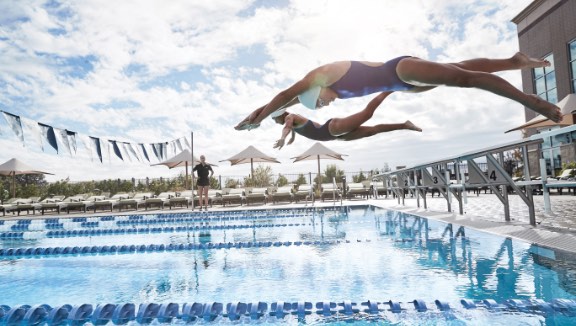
[{"x": 547, "y": 29}]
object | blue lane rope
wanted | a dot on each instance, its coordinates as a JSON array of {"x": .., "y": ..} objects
[
  {"x": 146, "y": 313},
  {"x": 102, "y": 225},
  {"x": 129, "y": 249}
]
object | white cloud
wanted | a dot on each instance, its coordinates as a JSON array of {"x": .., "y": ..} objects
[{"x": 206, "y": 65}]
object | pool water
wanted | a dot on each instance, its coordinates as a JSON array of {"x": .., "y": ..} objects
[{"x": 315, "y": 255}]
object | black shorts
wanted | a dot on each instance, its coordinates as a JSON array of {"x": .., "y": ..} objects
[{"x": 203, "y": 182}]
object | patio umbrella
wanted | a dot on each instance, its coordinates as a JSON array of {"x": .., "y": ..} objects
[
  {"x": 184, "y": 158},
  {"x": 250, "y": 155},
  {"x": 568, "y": 107},
  {"x": 15, "y": 167},
  {"x": 317, "y": 152}
]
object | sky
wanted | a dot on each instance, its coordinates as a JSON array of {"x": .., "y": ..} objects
[{"x": 150, "y": 71}]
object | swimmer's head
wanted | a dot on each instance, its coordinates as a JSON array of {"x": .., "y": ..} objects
[
  {"x": 309, "y": 98},
  {"x": 280, "y": 118}
]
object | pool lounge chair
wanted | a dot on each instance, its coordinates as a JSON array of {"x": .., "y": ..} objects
[
  {"x": 329, "y": 191},
  {"x": 8, "y": 204},
  {"x": 50, "y": 203},
  {"x": 233, "y": 196},
  {"x": 159, "y": 201},
  {"x": 214, "y": 196},
  {"x": 80, "y": 203},
  {"x": 282, "y": 194},
  {"x": 109, "y": 203},
  {"x": 21, "y": 204},
  {"x": 136, "y": 201},
  {"x": 257, "y": 195},
  {"x": 181, "y": 199},
  {"x": 304, "y": 192},
  {"x": 379, "y": 188},
  {"x": 357, "y": 189}
]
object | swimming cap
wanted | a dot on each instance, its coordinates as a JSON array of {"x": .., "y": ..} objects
[
  {"x": 310, "y": 97},
  {"x": 277, "y": 113}
]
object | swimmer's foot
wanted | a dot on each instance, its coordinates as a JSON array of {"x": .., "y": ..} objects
[
  {"x": 546, "y": 109},
  {"x": 524, "y": 61},
  {"x": 409, "y": 125}
]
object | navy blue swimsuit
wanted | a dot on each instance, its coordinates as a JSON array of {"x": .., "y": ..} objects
[
  {"x": 362, "y": 80},
  {"x": 309, "y": 130}
]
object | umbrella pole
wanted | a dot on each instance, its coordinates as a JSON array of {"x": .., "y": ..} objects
[
  {"x": 318, "y": 176},
  {"x": 13, "y": 184},
  {"x": 252, "y": 168}
]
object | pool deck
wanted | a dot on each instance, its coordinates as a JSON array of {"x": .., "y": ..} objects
[{"x": 556, "y": 230}]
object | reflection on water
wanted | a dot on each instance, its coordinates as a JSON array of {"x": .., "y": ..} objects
[{"x": 497, "y": 276}]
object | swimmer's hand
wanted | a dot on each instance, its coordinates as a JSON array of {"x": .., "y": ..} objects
[
  {"x": 279, "y": 143},
  {"x": 245, "y": 125}
]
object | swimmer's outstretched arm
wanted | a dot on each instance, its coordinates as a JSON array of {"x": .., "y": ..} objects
[
  {"x": 253, "y": 119},
  {"x": 321, "y": 76},
  {"x": 288, "y": 125}
]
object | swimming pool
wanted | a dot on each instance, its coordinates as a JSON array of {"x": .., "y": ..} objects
[{"x": 319, "y": 265}]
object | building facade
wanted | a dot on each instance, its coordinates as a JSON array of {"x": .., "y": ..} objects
[{"x": 547, "y": 29}]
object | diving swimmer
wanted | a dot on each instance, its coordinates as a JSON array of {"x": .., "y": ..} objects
[
  {"x": 348, "y": 128},
  {"x": 347, "y": 79}
]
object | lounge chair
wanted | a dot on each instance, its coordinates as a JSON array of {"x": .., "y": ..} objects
[
  {"x": 8, "y": 205},
  {"x": 20, "y": 205},
  {"x": 214, "y": 196},
  {"x": 304, "y": 192},
  {"x": 181, "y": 199},
  {"x": 80, "y": 203},
  {"x": 282, "y": 194},
  {"x": 329, "y": 191},
  {"x": 257, "y": 195},
  {"x": 159, "y": 201},
  {"x": 136, "y": 201},
  {"x": 50, "y": 203},
  {"x": 355, "y": 189},
  {"x": 109, "y": 203},
  {"x": 233, "y": 196},
  {"x": 379, "y": 188}
]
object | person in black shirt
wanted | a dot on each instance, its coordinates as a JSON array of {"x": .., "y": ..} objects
[{"x": 204, "y": 173}]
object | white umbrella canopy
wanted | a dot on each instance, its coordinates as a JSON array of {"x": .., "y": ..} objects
[
  {"x": 14, "y": 167},
  {"x": 568, "y": 107},
  {"x": 250, "y": 155},
  {"x": 317, "y": 152},
  {"x": 185, "y": 159}
]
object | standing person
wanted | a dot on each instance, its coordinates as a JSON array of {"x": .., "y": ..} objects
[
  {"x": 347, "y": 79},
  {"x": 204, "y": 173},
  {"x": 347, "y": 128}
]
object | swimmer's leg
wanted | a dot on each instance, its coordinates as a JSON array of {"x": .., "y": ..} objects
[
  {"x": 517, "y": 61},
  {"x": 368, "y": 131},
  {"x": 339, "y": 126},
  {"x": 419, "y": 71}
]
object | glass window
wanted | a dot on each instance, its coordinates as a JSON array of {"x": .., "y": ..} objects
[
  {"x": 547, "y": 143},
  {"x": 538, "y": 73},
  {"x": 552, "y": 96},
  {"x": 545, "y": 81},
  {"x": 557, "y": 159},
  {"x": 540, "y": 86},
  {"x": 572, "y": 53},
  {"x": 561, "y": 139}
]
